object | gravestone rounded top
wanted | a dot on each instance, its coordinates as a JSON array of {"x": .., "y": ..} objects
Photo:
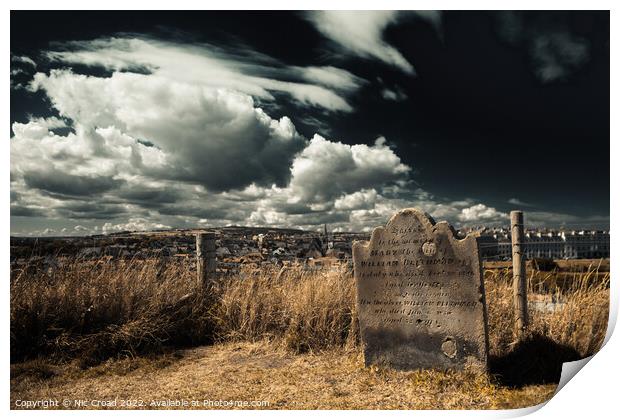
[{"x": 420, "y": 300}]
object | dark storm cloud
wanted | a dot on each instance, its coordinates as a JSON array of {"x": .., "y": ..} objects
[
  {"x": 150, "y": 196},
  {"x": 90, "y": 210},
  {"x": 257, "y": 157},
  {"x": 293, "y": 208},
  {"x": 70, "y": 185},
  {"x": 18, "y": 210}
]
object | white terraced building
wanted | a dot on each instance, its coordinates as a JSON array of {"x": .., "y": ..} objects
[{"x": 550, "y": 244}]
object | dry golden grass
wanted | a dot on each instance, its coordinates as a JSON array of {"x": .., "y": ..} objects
[
  {"x": 98, "y": 330},
  {"x": 97, "y": 309},
  {"x": 302, "y": 310},
  {"x": 580, "y": 323},
  {"x": 260, "y": 371}
]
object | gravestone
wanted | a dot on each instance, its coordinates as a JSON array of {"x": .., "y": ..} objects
[{"x": 420, "y": 296}]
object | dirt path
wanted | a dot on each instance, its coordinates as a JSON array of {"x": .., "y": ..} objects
[{"x": 244, "y": 375}]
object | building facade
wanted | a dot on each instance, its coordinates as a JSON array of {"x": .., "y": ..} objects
[{"x": 496, "y": 244}]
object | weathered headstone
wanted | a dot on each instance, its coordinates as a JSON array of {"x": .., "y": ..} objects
[{"x": 420, "y": 296}]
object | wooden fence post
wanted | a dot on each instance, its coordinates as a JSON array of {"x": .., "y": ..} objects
[
  {"x": 205, "y": 258},
  {"x": 519, "y": 280}
]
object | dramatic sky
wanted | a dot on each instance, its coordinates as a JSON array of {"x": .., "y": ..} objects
[{"x": 146, "y": 120}]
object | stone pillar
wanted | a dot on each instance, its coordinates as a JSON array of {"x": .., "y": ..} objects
[
  {"x": 519, "y": 280},
  {"x": 205, "y": 258}
]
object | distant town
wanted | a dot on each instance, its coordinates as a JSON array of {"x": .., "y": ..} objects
[
  {"x": 237, "y": 245},
  {"x": 495, "y": 243}
]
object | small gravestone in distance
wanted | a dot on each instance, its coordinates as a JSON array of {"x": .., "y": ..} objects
[{"x": 420, "y": 296}]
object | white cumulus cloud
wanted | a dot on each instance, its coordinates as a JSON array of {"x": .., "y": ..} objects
[
  {"x": 481, "y": 213},
  {"x": 133, "y": 224},
  {"x": 326, "y": 169},
  {"x": 215, "y": 137}
]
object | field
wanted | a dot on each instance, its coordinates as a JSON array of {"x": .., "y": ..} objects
[{"x": 142, "y": 330}]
